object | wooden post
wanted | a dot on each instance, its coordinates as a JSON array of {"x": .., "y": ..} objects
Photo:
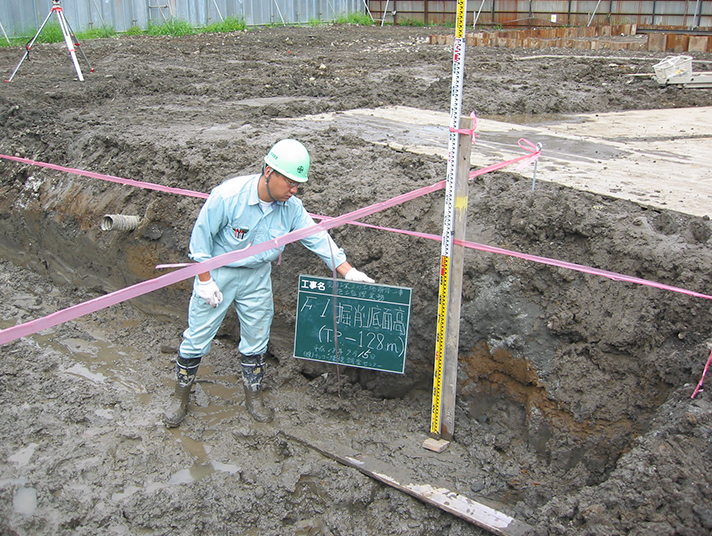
[
  {"x": 454, "y": 298},
  {"x": 455, "y": 200}
]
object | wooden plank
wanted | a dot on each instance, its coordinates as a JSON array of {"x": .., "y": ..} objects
[
  {"x": 436, "y": 445},
  {"x": 458, "y": 505},
  {"x": 454, "y": 294}
]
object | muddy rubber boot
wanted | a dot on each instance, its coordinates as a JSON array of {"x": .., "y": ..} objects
[
  {"x": 178, "y": 407},
  {"x": 253, "y": 371},
  {"x": 186, "y": 370}
]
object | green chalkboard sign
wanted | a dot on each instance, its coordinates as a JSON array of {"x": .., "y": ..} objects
[{"x": 360, "y": 325}]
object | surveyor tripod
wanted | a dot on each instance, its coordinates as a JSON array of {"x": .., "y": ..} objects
[{"x": 69, "y": 38}]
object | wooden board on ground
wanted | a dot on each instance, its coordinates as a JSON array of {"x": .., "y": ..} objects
[
  {"x": 476, "y": 513},
  {"x": 656, "y": 158}
]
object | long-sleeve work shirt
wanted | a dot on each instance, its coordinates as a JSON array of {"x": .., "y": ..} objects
[{"x": 232, "y": 219}]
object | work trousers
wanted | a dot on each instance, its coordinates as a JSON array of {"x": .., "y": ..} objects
[{"x": 250, "y": 290}]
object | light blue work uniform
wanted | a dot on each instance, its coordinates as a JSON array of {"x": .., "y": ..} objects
[{"x": 232, "y": 219}]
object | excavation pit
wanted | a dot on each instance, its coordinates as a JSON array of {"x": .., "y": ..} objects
[{"x": 574, "y": 411}]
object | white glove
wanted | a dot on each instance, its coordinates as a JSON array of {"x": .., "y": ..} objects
[
  {"x": 355, "y": 275},
  {"x": 209, "y": 291}
]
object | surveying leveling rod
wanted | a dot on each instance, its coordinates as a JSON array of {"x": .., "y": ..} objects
[
  {"x": 69, "y": 38},
  {"x": 442, "y": 415}
]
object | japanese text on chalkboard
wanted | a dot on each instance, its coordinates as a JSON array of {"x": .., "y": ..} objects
[{"x": 361, "y": 325}]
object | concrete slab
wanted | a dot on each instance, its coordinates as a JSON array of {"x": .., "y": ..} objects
[{"x": 658, "y": 158}]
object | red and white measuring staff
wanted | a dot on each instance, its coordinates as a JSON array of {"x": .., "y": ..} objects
[{"x": 458, "y": 78}]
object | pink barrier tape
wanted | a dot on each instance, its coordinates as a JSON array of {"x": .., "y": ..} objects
[
  {"x": 543, "y": 260},
  {"x": 468, "y": 132},
  {"x": 192, "y": 269},
  {"x": 702, "y": 379},
  {"x": 473, "y": 174},
  {"x": 110, "y": 178},
  {"x": 535, "y": 151},
  {"x": 580, "y": 268},
  {"x": 139, "y": 289},
  {"x": 611, "y": 275},
  {"x": 145, "y": 287}
]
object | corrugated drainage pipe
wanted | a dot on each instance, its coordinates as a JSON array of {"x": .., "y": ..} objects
[{"x": 119, "y": 222}]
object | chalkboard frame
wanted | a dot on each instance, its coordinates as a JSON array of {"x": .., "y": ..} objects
[{"x": 379, "y": 341}]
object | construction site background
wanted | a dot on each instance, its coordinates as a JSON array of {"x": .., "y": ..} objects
[{"x": 690, "y": 17}]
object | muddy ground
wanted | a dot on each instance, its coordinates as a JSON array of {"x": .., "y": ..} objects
[{"x": 574, "y": 413}]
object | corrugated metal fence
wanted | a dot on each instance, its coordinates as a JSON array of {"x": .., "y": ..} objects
[
  {"x": 680, "y": 13},
  {"x": 23, "y": 17},
  {"x": 20, "y": 17}
]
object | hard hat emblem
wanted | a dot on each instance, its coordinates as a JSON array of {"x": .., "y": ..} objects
[{"x": 300, "y": 169}]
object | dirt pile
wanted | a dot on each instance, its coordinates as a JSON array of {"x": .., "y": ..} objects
[{"x": 574, "y": 412}]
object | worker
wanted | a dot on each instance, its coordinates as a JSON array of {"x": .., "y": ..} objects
[{"x": 241, "y": 212}]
